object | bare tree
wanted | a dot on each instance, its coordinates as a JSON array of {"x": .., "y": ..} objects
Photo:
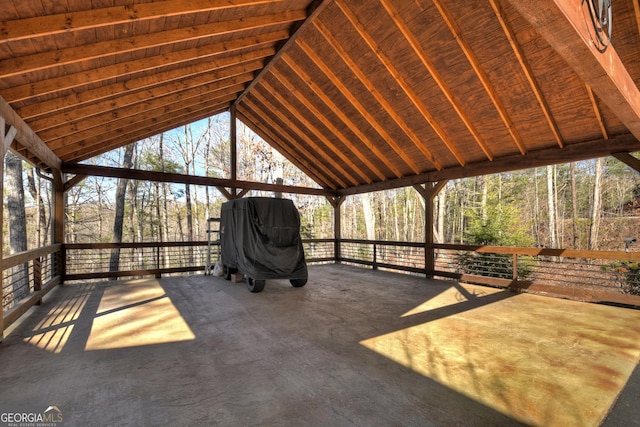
[
  {"x": 121, "y": 191},
  {"x": 17, "y": 223}
]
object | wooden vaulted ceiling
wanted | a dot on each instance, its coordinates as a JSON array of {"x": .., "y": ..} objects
[{"x": 359, "y": 94}]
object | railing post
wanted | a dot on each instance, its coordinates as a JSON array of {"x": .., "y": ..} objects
[
  {"x": 515, "y": 267},
  {"x": 37, "y": 277},
  {"x": 158, "y": 274},
  {"x": 375, "y": 256}
]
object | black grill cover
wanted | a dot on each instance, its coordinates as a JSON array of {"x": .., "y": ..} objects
[{"x": 260, "y": 236}]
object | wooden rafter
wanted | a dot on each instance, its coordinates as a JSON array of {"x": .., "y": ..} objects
[
  {"x": 562, "y": 24},
  {"x": 328, "y": 124},
  {"x": 248, "y": 114},
  {"x": 364, "y": 113},
  {"x": 123, "y": 69},
  {"x": 309, "y": 130},
  {"x": 406, "y": 87},
  {"x": 480, "y": 73},
  {"x": 334, "y": 108},
  {"x": 176, "y": 75},
  {"x": 629, "y": 160},
  {"x": 526, "y": 69},
  {"x": 339, "y": 50},
  {"x": 56, "y": 58},
  {"x": 50, "y": 25},
  {"x": 596, "y": 111},
  {"x": 435, "y": 74},
  {"x": 294, "y": 133},
  {"x": 187, "y": 87}
]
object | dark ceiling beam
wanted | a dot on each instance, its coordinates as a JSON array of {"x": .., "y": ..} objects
[
  {"x": 313, "y": 10},
  {"x": 564, "y": 24},
  {"x": 143, "y": 175},
  {"x": 27, "y": 137},
  {"x": 548, "y": 156},
  {"x": 629, "y": 160}
]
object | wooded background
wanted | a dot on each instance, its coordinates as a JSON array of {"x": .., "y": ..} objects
[{"x": 584, "y": 205}]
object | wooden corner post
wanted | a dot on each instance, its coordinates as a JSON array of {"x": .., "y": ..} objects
[
  {"x": 58, "y": 221},
  {"x": 429, "y": 192},
  {"x": 336, "y": 202}
]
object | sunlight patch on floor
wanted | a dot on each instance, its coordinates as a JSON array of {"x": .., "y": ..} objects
[
  {"x": 451, "y": 296},
  {"x": 539, "y": 360},
  {"x": 53, "y": 331},
  {"x": 136, "y": 313}
]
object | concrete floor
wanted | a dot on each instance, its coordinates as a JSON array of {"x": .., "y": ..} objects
[{"x": 353, "y": 347}]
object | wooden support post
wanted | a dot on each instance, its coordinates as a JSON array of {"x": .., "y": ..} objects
[
  {"x": 58, "y": 222},
  {"x": 233, "y": 148},
  {"x": 37, "y": 277},
  {"x": 6, "y": 137},
  {"x": 336, "y": 202},
  {"x": 429, "y": 192}
]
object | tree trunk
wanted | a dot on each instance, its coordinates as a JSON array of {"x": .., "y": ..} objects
[
  {"x": 118, "y": 221},
  {"x": 14, "y": 190},
  {"x": 574, "y": 203},
  {"x": 596, "y": 206},
  {"x": 551, "y": 206},
  {"x": 41, "y": 218},
  {"x": 369, "y": 219}
]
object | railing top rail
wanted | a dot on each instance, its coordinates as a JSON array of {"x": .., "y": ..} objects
[
  {"x": 565, "y": 253},
  {"x": 26, "y": 256}
]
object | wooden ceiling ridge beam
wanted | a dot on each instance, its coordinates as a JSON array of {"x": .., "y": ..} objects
[
  {"x": 304, "y": 134},
  {"x": 143, "y": 121},
  {"x": 27, "y": 137},
  {"x": 156, "y": 113},
  {"x": 50, "y": 25},
  {"x": 362, "y": 77},
  {"x": 91, "y": 96},
  {"x": 284, "y": 135},
  {"x": 154, "y": 176},
  {"x": 363, "y": 111},
  {"x": 86, "y": 150},
  {"x": 435, "y": 74},
  {"x": 562, "y": 24},
  {"x": 124, "y": 69},
  {"x": 543, "y": 157},
  {"x": 56, "y": 58},
  {"x": 404, "y": 85},
  {"x": 186, "y": 88},
  {"x": 111, "y": 120},
  {"x": 325, "y": 122},
  {"x": 313, "y": 10},
  {"x": 253, "y": 120},
  {"x": 317, "y": 90}
]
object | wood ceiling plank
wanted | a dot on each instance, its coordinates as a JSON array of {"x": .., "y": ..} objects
[
  {"x": 366, "y": 82},
  {"x": 82, "y": 113},
  {"x": 364, "y": 112},
  {"x": 261, "y": 105},
  {"x": 343, "y": 117},
  {"x": 563, "y": 25},
  {"x": 480, "y": 73},
  {"x": 256, "y": 120},
  {"x": 134, "y": 114},
  {"x": 435, "y": 74},
  {"x": 526, "y": 69},
  {"x": 304, "y": 134},
  {"x": 75, "y": 100},
  {"x": 404, "y": 85},
  {"x": 55, "y": 58},
  {"x": 345, "y": 157},
  {"x": 50, "y": 25},
  {"x": 27, "y": 137},
  {"x": 123, "y": 69}
]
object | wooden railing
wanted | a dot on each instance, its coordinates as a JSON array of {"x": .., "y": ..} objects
[{"x": 602, "y": 276}]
